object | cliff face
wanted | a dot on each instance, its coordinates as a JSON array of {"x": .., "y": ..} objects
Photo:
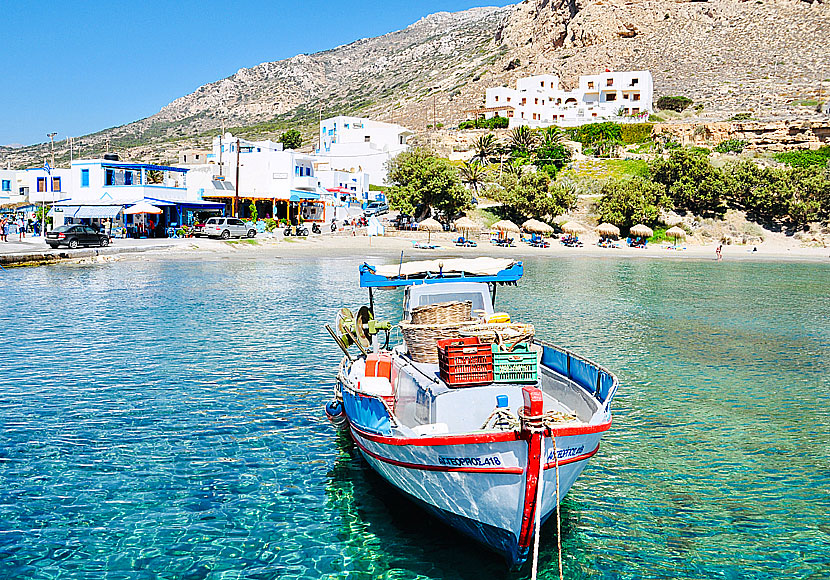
[{"x": 729, "y": 55}]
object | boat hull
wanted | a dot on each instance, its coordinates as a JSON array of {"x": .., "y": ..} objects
[{"x": 480, "y": 483}]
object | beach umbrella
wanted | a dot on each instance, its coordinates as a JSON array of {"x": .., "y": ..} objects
[
  {"x": 466, "y": 225},
  {"x": 607, "y": 229},
  {"x": 535, "y": 226},
  {"x": 506, "y": 226},
  {"x": 430, "y": 225},
  {"x": 676, "y": 232},
  {"x": 142, "y": 207},
  {"x": 642, "y": 231},
  {"x": 572, "y": 228}
]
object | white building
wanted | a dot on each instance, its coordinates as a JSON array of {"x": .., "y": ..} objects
[
  {"x": 355, "y": 145},
  {"x": 538, "y": 101},
  {"x": 280, "y": 183}
]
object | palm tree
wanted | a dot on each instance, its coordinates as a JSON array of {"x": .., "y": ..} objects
[
  {"x": 552, "y": 136},
  {"x": 486, "y": 148},
  {"x": 522, "y": 140},
  {"x": 473, "y": 174}
]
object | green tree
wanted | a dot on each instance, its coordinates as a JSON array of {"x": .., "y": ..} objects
[
  {"x": 626, "y": 202},
  {"x": 486, "y": 149},
  {"x": 291, "y": 139},
  {"x": 473, "y": 175},
  {"x": 522, "y": 141},
  {"x": 254, "y": 212},
  {"x": 551, "y": 155},
  {"x": 691, "y": 182},
  {"x": 533, "y": 195},
  {"x": 419, "y": 179}
]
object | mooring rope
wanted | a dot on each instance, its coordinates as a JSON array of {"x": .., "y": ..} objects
[
  {"x": 538, "y": 515},
  {"x": 558, "y": 519}
]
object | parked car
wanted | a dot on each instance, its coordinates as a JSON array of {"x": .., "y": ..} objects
[
  {"x": 76, "y": 235},
  {"x": 198, "y": 230},
  {"x": 225, "y": 227},
  {"x": 376, "y": 208}
]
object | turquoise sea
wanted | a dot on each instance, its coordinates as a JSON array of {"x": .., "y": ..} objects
[{"x": 163, "y": 419}]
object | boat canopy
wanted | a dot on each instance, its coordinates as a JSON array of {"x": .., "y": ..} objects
[{"x": 491, "y": 270}]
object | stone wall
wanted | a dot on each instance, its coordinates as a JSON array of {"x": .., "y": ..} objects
[{"x": 761, "y": 136}]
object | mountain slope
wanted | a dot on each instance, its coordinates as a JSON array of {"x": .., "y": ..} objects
[{"x": 728, "y": 55}]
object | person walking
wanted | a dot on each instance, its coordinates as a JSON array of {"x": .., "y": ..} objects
[
  {"x": 21, "y": 228},
  {"x": 719, "y": 253},
  {"x": 4, "y": 229}
]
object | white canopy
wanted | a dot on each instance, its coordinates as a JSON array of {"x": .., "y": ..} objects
[
  {"x": 142, "y": 207},
  {"x": 476, "y": 266}
]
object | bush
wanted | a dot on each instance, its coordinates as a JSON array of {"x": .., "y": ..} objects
[
  {"x": 421, "y": 179},
  {"x": 690, "y": 181},
  {"x": 270, "y": 224},
  {"x": 532, "y": 195},
  {"x": 741, "y": 117},
  {"x": 631, "y": 133},
  {"x": 805, "y": 157},
  {"x": 593, "y": 133},
  {"x": 731, "y": 146},
  {"x": 676, "y": 103},
  {"x": 494, "y": 123},
  {"x": 291, "y": 139}
]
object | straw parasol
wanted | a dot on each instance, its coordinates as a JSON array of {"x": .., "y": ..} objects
[
  {"x": 142, "y": 207},
  {"x": 642, "y": 231},
  {"x": 536, "y": 226},
  {"x": 466, "y": 225},
  {"x": 430, "y": 225},
  {"x": 607, "y": 229},
  {"x": 506, "y": 226},
  {"x": 676, "y": 232},
  {"x": 572, "y": 228}
]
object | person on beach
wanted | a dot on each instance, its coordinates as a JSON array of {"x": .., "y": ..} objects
[
  {"x": 21, "y": 228},
  {"x": 719, "y": 253}
]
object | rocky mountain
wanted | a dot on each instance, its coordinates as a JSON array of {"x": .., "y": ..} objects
[{"x": 767, "y": 57}]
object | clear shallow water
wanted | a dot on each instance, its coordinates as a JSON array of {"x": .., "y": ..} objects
[{"x": 163, "y": 420}]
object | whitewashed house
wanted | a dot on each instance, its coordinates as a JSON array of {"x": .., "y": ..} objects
[
  {"x": 538, "y": 101},
  {"x": 355, "y": 145}
]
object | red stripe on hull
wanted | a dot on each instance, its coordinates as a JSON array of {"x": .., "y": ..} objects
[
  {"x": 425, "y": 467},
  {"x": 471, "y": 438}
]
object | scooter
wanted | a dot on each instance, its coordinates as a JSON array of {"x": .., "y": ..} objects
[
  {"x": 315, "y": 228},
  {"x": 297, "y": 231}
]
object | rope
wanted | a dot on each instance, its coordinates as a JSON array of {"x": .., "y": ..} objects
[
  {"x": 558, "y": 520},
  {"x": 538, "y": 515},
  {"x": 504, "y": 420}
]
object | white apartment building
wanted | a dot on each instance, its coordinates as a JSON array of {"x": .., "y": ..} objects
[
  {"x": 538, "y": 101},
  {"x": 356, "y": 145}
]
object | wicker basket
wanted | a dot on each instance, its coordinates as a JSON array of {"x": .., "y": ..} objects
[
  {"x": 422, "y": 339},
  {"x": 442, "y": 313},
  {"x": 507, "y": 334}
]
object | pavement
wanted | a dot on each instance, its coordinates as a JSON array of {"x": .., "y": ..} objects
[{"x": 33, "y": 249}]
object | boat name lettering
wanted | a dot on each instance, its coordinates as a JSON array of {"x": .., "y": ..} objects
[
  {"x": 471, "y": 461},
  {"x": 569, "y": 452}
]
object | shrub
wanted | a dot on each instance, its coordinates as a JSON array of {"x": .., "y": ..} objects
[
  {"x": 593, "y": 133},
  {"x": 731, "y": 146},
  {"x": 625, "y": 202},
  {"x": 631, "y": 133},
  {"x": 676, "y": 103},
  {"x": 805, "y": 157},
  {"x": 291, "y": 139},
  {"x": 655, "y": 119},
  {"x": 741, "y": 117},
  {"x": 691, "y": 182},
  {"x": 421, "y": 179},
  {"x": 494, "y": 123},
  {"x": 270, "y": 224}
]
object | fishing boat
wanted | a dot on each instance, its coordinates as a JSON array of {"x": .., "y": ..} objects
[{"x": 488, "y": 448}]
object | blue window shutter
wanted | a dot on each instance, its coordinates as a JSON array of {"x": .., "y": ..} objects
[{"x": 84, "y": 177}]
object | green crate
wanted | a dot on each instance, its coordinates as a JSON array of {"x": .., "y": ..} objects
[{"x": 519, "y": 366}]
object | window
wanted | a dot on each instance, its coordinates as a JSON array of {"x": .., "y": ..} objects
[
  {"x": 590, "y": 84},
  {"x": 128, "y": 178},
  {"x": 84, "y": 177},
  {"x": 7, "y": 185},
  {"x": 367, "y": 139},
  {"x": 634, "y": 81},
  {"x": 56, "y": 184},
  {"x": 297, "y": 170},
  {"x": 609, "y": 83},
  {"x": 611, "y": 97},
  {"x": 635, "y": 97},
  {"x": 524, "y": 101},
  {"x": 109, "y": 177},
  {"x": 508, "y": 99},
  {"x": 543, "y": 101},
  {"x": 509, "y": 113},
  {"x": 41, "y": 184},
  {"x": 535, "y": 101},
  {"x": 497, "y": 98},
  {"x": 543, "y": 83},
  {"x": 635, "y": 111}
]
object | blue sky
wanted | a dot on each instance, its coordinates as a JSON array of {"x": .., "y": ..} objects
[{"x": 78, "y": 67}]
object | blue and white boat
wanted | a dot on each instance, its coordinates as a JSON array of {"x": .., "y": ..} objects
[{"x": 440, "y": 445}]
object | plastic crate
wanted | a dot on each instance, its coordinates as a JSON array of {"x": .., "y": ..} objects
[
  {"x": 463, "y": 362},
  {"x": 518, "y": 366}
]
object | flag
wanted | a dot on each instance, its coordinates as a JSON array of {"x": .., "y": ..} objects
[{"x": 47, "y": 167}]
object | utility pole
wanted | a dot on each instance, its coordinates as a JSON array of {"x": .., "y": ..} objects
[
  {"x": 52, "y": 140},
  {"x": 46, "y": 187},
  {"x": 236, "y": 185},
  {"x": 71, "y": 143}
]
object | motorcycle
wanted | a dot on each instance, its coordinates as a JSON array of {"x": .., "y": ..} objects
[
  {"x": 295, "y": 231},
  {"x": 315, "y": 228},
  {"x": 333, "y": 225}
]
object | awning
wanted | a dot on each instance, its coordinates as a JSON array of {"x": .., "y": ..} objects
[
  {"x": 297, "y": 195},
  {"x": 87, "y": 211}
]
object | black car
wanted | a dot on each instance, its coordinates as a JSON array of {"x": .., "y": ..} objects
[{"x": 76, "y": 235}]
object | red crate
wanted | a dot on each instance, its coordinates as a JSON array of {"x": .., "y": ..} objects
[{"x": 463, "y": 362}]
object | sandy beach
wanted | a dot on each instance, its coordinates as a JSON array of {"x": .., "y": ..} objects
[{"x": 347, "y": 245}]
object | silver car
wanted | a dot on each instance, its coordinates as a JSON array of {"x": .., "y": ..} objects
[{"x": 227, "y": 227}]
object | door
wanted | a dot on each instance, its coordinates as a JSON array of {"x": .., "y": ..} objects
[
  {"x": 236, "y": 227},
  {"x": 90, "y": 236}
]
